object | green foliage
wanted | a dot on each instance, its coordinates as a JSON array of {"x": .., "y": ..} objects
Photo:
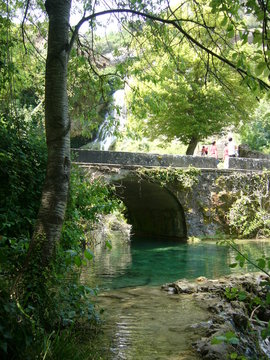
[
  {"x": 235, "y": 294},
  {"x": 247, "y": 22},
  {"x": 164, "y": 176},
  {"x": 228, "y": 338},
  {"x": 23, "y": 158},
  {"x": 113, "y": 42},
  {"x": 253, "y": 301},
  {"x": 257, "y": 132},
  {"x": 21, "y": 73},
  {"x": 248, "y": 219},
  {"x": 89, "y": 96},
  {"x": 248, "y": 215},
  {"x": 174, "y": 94},
  {"x": 133, "y": 143},
  {"x": 87, "y": 200},
  {"x": 56, "y": 299},
  {"x": 266, "y": 332},
  {"x": 235, "y": 356},
  {"x": 22, "y": 171},
  {"x": 92, "y": 81}
]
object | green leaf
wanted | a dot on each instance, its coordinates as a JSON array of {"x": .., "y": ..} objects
[
  {"x": 231, "y": 34},
  {"x": 266, "y": 72},
  {"x": 108, "y": 244},
  {"x": 257, "y": 300},
  {"x": 88, "y": 254},
  {"x": 244, "y": 37},
  {"x": 257, "y": 37},
  {"x": 233, "y": 265},
  {"x": 224, "y": 21},
  {"x": 266, "y": 332},
  {"x": 233, "y": 341},
  {"x": 77, "y": 260},
  {"x": 218, "y": 340},
  {"x": 242, "y": 295},
  {"x": 242, "y": 263},
  {"x": 260, "y": 68},
  {"x": 261, "y": 263}
]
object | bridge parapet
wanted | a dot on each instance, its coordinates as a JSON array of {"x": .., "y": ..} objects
[
  {"x": 142, "y": 159},
  {"x": 149, "y": 160},
  {"x": 249, "y": 164}
]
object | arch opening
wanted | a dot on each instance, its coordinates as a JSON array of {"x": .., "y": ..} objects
[{"x": 153, "y": 211}]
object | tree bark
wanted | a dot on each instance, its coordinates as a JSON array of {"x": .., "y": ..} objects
[
  {"x": 55, "y": 191},
  {"x": 192, "y": 146}
]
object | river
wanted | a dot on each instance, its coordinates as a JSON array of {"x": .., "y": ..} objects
[{"x": 140, "y": 320}]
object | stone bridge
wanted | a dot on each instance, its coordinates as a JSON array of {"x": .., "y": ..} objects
[{"x": 170, "y": 196}]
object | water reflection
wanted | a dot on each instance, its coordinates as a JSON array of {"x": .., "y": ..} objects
[
  {"x": 141, "y": 320},
  {"x": 114, "y": 262},
  {"x": 146, "y": 262}
]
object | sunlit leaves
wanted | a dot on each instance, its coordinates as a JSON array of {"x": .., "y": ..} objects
[
  {"x": 178, "y": 97},
  {"x": 257, "y": 133},
  {"x": 249, "y": 21}
]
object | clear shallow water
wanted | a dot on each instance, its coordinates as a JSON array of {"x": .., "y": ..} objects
[
  {"x": 146, "y": 262},
  {"x": 142, "y": 322},
  {"x": 145, "y": 323}
]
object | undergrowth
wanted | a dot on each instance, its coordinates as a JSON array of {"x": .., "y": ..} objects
[{"x": 46, "y": 321}]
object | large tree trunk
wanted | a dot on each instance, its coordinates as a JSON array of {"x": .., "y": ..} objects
[
  {"x": 54, "y": 196},
  {"x": 192, "y": 146}
]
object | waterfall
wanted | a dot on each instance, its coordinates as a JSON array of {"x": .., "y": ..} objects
[{"x": 114, "y": 122}]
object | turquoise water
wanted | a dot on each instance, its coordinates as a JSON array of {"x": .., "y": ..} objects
[
  {"x": 143, "y": 322},
  {"x": 145, "y": 262}
]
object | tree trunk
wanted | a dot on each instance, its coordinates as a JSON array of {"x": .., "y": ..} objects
[
  {"x": 54, "y": 196},
  {"x": 192, "y": 146}
]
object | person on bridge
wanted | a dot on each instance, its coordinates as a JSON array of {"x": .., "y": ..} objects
[
  {"x": 231, "y": 148},
  {"x": 204, "y": 151},
  {"x": 213, "y": 150},
  {"x": 226, "y": 156}
]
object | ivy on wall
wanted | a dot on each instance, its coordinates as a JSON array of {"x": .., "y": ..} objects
[
  {"x": 185, "y": 178},
  {"x": 244, "y": 204}
]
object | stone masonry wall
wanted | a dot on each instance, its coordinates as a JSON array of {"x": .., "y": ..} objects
[
  {"x": 249, "y": 164},
  {"x": 143, "y": 159},
  {"x": 148, "y": 160},
  {"x": 205, "y": 205}
]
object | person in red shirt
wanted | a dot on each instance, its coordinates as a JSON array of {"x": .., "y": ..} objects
[{"x": 204, "y": 151}]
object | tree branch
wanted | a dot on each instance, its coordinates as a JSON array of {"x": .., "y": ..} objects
[
  {"x": 174, "y": 23},
  {"x": 22, "y": 26}
]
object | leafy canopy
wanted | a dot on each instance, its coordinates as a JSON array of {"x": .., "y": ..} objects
[{"x": 179, "y": 93}]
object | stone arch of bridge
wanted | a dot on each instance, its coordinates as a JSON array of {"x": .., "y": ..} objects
[{"x": 152, "y": 210}]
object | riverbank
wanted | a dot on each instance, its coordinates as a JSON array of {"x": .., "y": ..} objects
[{"x": 238, "y": 312}]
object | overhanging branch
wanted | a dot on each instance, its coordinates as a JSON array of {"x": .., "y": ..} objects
[{"x": 175, "y": 23}]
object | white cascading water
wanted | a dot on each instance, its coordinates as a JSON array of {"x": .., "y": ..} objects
[{"x": 114, "y": 122}]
